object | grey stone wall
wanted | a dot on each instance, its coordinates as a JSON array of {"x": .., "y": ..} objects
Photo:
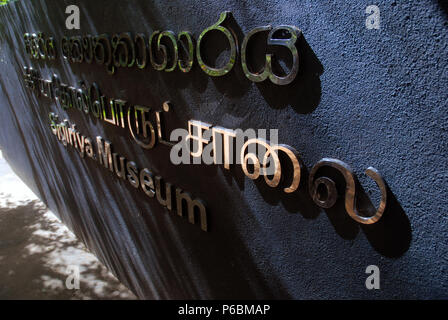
[{"x": 368, "y": 97}]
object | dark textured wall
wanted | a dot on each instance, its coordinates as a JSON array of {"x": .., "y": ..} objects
[{"x": 368, "y": 97}]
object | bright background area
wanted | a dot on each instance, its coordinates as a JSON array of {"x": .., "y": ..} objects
[{"x": 37, "y": 250}]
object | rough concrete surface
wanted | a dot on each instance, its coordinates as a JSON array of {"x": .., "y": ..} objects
[{"x": 367, "y": 97}]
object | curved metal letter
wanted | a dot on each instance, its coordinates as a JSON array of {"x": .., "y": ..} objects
[
  {"x": 172, "y": 37},
  {"x": 189, "y": 62},
  {"x": 217, "y": 72},
  {"x": 350, "y": 189},
  {"x": 263, "y": 74},
  {"x": 140, "y": 45},
  {"x": 291, "y": 45},
  {"x": 155, "y": 65}
]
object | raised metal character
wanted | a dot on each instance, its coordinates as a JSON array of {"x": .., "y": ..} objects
[
  {"x": 260, "y": 75},
  {"x": 267, "y": 72},
  {"x": 87, "y": 48},
  {"x": 155, "y": 65},
  {"x": 272, "y": 174},
  {"x": 123, "y": 50},
  {"x": 145, "y": 125},
  {"x": 141, "y": 51},
  {"x": 324, "y": 192},
  {"x": 170, "y": 35},
  {"x": 188, "y": 64},
  {"x": 233, "y": 42},
  {"x": 102, "y": 51}
]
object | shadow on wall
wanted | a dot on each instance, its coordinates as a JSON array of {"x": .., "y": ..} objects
[
  {"x": 302, "y": 94},
  {"x": 443, "y": 5},
  {"x": 391, "y": 236}
]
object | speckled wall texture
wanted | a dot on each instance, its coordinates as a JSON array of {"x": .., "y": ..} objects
[{"x": 369, "y": 97}]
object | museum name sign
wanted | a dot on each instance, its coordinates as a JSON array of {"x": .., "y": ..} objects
[
  {"x": 257, "y": 156},
  {"x": 122, "y": 50}
]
